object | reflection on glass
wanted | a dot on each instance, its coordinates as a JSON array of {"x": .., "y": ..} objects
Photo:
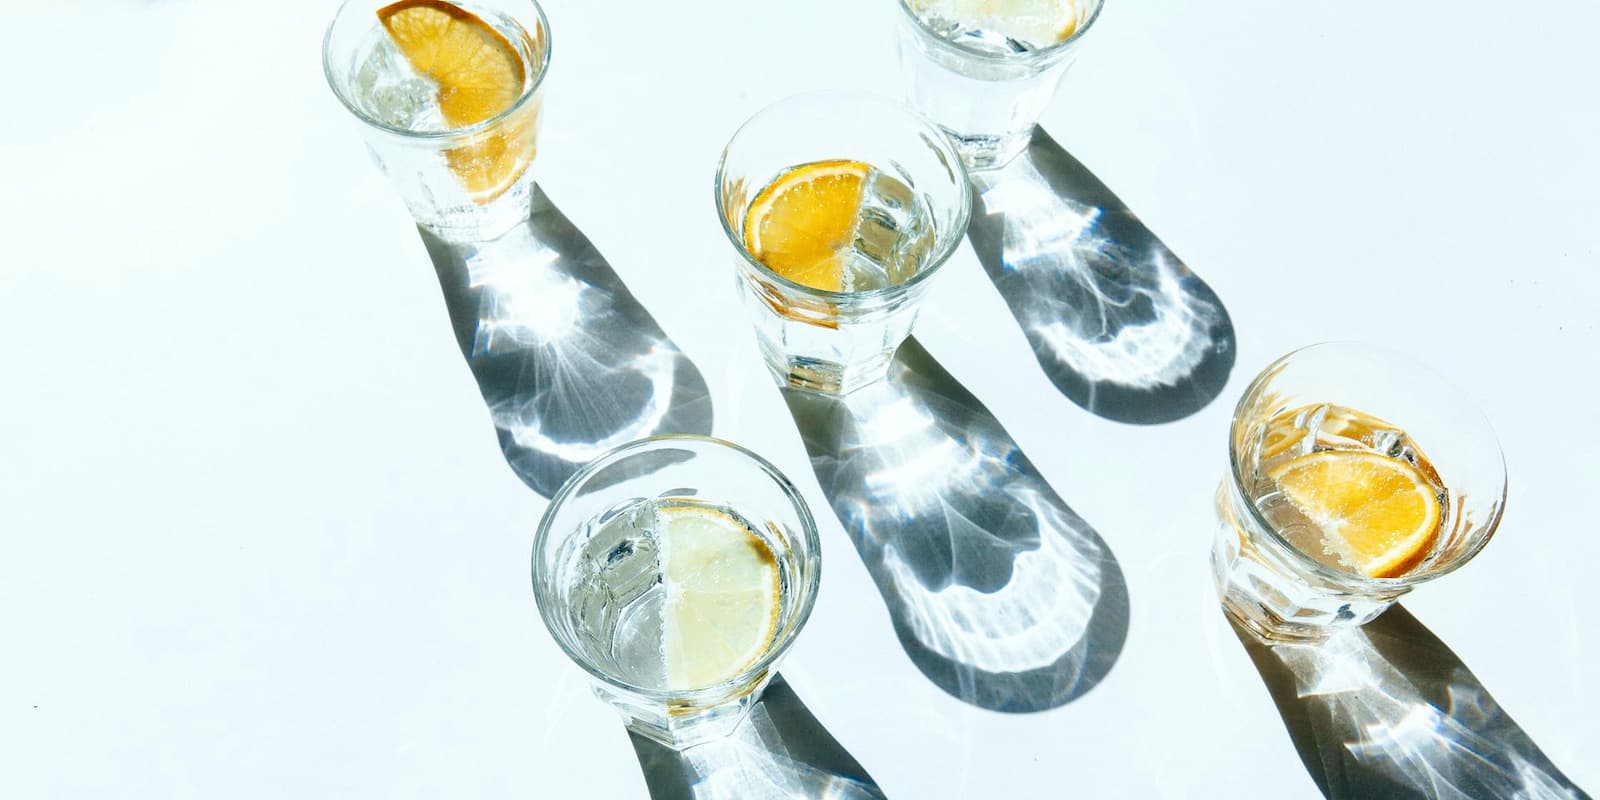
[
  {"x": 780, "y": 751},
  {"x": 1000, "y": 594},
  {"x": 568, "y": 361},
  {"x": 1356, "y": 474},
  {"x": 1387, "y": 710},
  {"x": 1118, "y": 323}
]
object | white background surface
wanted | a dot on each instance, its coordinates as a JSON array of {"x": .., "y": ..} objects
[{"x": 257, "y": 539}]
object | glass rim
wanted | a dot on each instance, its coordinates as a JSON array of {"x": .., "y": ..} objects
[
  {"x": 941, "y": 142},
  {"x": 780, "y": 646},
  {"x": 529, "y": 90},
  {"x": 1317, "y": 568},
  {"x": 1040, "y": 54}
]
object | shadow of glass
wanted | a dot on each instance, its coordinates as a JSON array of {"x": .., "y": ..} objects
[
  {"x": 1386, "y": 710},
  {"x": 780, "y": 751},
  {"x": 569, "y": 363},
  {"x": 1118, "y": 323},
  {"x": 999, "y": 593}
]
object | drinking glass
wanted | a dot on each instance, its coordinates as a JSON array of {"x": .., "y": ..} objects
[
  {"x": 984, "y": 89},
  {"x": 837, "y": 341},
  {"x": 464, "y": 183},
  {"x": 1266, "y": 555},
  {"x": 598, "y": 567}
]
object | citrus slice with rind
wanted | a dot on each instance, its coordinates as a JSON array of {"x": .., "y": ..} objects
[
  {"x": 722, "y": 596},
  {"x": 479, "y": 74},
  {"x": 1378, "y": 514},
  {"x": 802, "y": 224},
  {"x": 1036, "y": 23}
]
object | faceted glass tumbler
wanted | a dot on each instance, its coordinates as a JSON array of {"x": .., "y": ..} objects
[
  {"x": 600, "y": 592},
  {"x": 987, "y": 99},
  {"x": 1271, "y": 585},
  {"x": 837, "y": 341},
  {"x": 470, "y": 183}
]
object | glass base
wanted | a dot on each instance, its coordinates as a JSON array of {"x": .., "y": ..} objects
[
  {"x": 1261, "y": 589},
  {"x": 826, "y": 377},
  {"x": 474, "y": 222},
  {"x": 1267, "y": 626},
  {"x": 681, "y": 726},
  {"x": 1279, "y": 607},
  {"x": 989, "y": 151}
]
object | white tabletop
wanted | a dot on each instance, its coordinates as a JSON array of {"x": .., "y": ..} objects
[{"x": 257, "y": 538}]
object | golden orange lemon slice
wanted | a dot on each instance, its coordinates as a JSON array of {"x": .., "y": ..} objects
[
  {"x": 479, "y": 74},
  {"x": 1378, "y": 513},
  {"x": 801, "y": 225}
]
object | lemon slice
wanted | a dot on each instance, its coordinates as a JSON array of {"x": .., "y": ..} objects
[
  {"x": 479, "y": 74},
  {"x": 801, "y": 225},
  {"x": 1037, "y": 23},
  {"x": 1379, "y": 514},
  {"x": 721, "y": 586}
]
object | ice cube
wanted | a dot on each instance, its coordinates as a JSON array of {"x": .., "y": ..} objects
[
  {"x": 393, "y": 93},
  {"x": 1392, "y": 443},
  {"x": 1336, "y": 427}
]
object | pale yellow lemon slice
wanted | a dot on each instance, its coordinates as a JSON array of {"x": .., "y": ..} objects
[
  {"x": 1378, "y": 513},
  {"x": 722, "y": 601}
]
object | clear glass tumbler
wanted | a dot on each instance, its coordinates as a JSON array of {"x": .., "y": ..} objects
[
  {"x": 463, "y": 182},
  {"x": 677, "y": 571},
  {"x": 1335, "y": 452},
  {"x": 911, "y": 217},
  {"x": 984, "y": 88}
]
